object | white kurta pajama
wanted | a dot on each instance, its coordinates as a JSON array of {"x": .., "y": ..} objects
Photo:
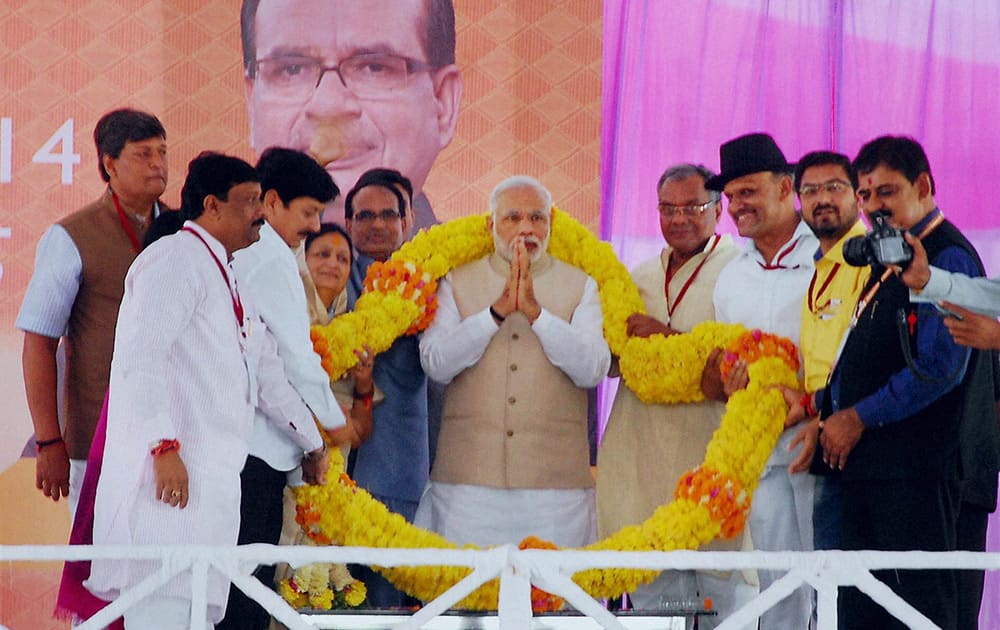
[
  {"x": 647, "y": 447},
  {"x": 181, "y": 370},
  {"x": 768, "y": 294},
  {"x": 483, "y": 515}
]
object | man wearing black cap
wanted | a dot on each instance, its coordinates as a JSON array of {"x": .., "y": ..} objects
[{"x": 776, "y": 265}]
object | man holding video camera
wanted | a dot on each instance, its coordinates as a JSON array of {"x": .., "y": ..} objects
[{"x": 901, "y": 392}]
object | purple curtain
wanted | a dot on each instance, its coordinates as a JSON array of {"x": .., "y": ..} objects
[{"x": 683, "y": 76}]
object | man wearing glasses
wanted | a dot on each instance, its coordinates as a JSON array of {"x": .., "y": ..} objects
[
  {"x": 763, "y": 288},
  {"x": 826, "y": 184},
  {"x": 357, "y": 85},
  {"x": 908, "y": 415},
  {"x": 393, "y": 464},
  {"x": 646, "y": 448},
  {"x": 517, "y": 340}
]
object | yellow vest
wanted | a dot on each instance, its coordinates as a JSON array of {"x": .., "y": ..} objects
[{"x": 827, "y": 310}]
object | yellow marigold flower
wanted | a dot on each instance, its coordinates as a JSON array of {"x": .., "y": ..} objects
[
  {"x": 323, "y": 600},
  {"x": 355, "y": 593}
]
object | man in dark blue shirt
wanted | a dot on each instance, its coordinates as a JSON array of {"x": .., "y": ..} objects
[
  {"x": 899, "y": 398},
  {"x": 394, "y": 464}
]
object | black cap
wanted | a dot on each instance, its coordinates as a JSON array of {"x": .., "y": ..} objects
[{"x": 752, "y": 153}]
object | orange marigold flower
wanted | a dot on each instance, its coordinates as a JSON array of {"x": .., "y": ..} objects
[
  {"x": 756, "y": 344},
  {"x": 723, "y": 496},
  {"x": 345, "y": 480}
]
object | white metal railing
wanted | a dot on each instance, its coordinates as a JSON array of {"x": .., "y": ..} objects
[{"x": 518, "y": 570}]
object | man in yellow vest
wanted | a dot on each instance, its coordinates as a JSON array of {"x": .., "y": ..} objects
[{"x": 826, "y": 184}]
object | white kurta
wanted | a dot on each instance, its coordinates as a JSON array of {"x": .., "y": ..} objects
[
  {"x": 749, "y": 293},
  {"x": 180, "y": 371},
  {"x": 269, "y": 278},
  {"x": 768, "y": 294}
]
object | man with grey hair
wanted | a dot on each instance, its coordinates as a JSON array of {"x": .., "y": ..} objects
[
  {"x": 517, "y": 339},
  {"x": 647, "y": 447}
]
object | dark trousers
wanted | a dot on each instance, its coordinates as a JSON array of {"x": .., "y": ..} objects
[
  {"x": 972, "y": 520},
  {"x": 901, "y": 516},
  {"x": 260, "y": 522},
  {"x": 827, "y": 506}
]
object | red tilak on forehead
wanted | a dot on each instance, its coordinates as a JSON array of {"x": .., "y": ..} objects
[{"x": 869, "y": 181}]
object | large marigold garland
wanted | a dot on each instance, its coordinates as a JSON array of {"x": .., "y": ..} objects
[{"x": 710, "y": 501}]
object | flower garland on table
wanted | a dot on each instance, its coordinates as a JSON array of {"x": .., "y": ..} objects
[
  {"x": 323, "y": 586},
  {"x": 711, "y": 500}
]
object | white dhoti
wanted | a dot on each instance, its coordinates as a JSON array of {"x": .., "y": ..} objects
[{"x": 495, "y": 516}]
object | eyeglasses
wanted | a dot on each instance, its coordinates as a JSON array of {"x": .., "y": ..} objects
[
  {"x": 294, "y": 78},
  {"x": 834, "y": 187},
  {"x": 514, "y": 217},
  {"x": 369, "y": 216},
  {"x": 668, "y": 211}
]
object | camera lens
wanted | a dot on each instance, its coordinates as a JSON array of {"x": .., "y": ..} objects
[{"x": 857, "y": 251}]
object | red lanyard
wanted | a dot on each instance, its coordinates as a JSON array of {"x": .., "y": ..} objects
[
  {"x": 126, "y": 224},
  {"x": 237, "y": 304},
  {"x": 777, "y": 263},
  {"x": 687, "y": 285},
  {"x": 813, "y": 302}
]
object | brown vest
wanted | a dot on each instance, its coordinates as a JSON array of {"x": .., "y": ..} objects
[
  {"x": 106, "y": 253},
  {"x": 514, "y": 420}
]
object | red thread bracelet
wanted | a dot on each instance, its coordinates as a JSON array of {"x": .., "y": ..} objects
[
  {"x": 807, "y": 405},
  {"x": 366, "y": 399},
  {"x": 165, "y": 446}
]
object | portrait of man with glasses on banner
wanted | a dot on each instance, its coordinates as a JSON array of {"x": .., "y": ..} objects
[{"x": 355, "y": 85}]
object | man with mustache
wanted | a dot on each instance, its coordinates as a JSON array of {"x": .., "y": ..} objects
[
  {"x": 192, "y": 361},
  {"x": 393, "y": 464},
  {"x": 295, "y": 192},
  {"x": 357, "y": 85},
  {"x": 763, "y": 288},
  {"x": 826, "y": 184},
  {"x": 908, "y": 416},
  {"x": 517, "y": 339},
  {"x": 75, "y": 292}
]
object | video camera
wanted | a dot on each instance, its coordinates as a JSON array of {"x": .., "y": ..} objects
[{"x": 883, "y": 245}]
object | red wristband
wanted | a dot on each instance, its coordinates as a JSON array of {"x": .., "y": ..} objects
[
  {"x": 165, "y": 446},
  {"x": 807, "y": 405},
  {"x": 365, "y": 399}
]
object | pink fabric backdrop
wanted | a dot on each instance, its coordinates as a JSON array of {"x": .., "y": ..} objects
[{"x": 683, "y": 76}]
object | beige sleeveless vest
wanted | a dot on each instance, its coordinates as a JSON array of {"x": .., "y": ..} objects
[{"x": 513, "y": 420}]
